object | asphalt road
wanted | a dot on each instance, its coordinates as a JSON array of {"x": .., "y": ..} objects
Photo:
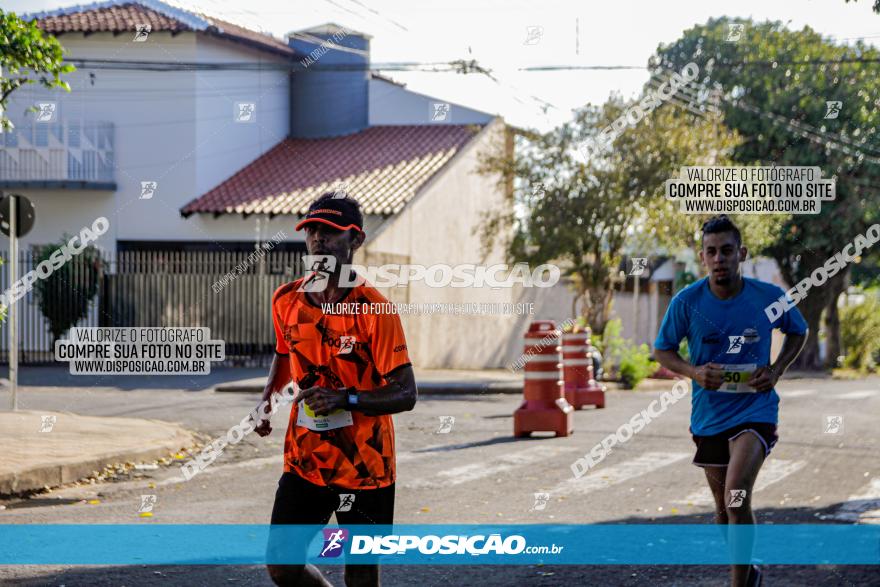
[{"x": 477, "y": 473}]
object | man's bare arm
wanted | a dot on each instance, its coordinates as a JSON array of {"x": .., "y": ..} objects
[
  {"x": 709, "y": 376},
  {"x": 674, "y": 362},
  {"x": 279, "y": 376},
  {"x": 399, "y": 395},
  {"x": 766, "y": 377},
  {"x": 791, "y": 348}
]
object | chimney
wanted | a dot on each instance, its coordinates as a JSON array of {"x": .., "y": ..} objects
[{"x": 329, "y": 90}]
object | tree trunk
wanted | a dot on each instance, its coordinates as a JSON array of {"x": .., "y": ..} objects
[
  {"x": 811, "y": 306},
  {"x": 599, "y": 310},
  {"x": 832, "y": 318},
  {"x": 832, "y": 334}
]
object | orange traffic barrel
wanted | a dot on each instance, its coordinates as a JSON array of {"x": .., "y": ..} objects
[
  {"x": 544, "y": 408},
  {"x": 581, "y": 388}
]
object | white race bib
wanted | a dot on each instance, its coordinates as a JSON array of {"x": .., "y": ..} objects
[
  {"x": 737, "y": 377},
  {"x": 336, "y": 419}
]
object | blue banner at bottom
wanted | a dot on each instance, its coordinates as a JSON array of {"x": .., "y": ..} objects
[{"x": 403, "y": 544}]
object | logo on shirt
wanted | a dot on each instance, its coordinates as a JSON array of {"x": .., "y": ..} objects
[
  {"x": 400, "y": 347},
  {"x": 736, "y": 343},
  {"x": 750, "y": 335},
  {"x": 346, "y": 344},
  {"x": 334, "y": 538}
]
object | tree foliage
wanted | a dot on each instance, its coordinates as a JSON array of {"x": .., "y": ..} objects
[
  {"x": 581, "y": 213},
  {"x": 776, "y": 85},
  {"x": 27, "y": 52}
]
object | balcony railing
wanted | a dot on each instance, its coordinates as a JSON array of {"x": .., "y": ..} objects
[{"x": 59, "y": 154}]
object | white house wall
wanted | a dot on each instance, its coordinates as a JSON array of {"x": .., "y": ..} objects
[
  {"x": 394, "y": 105},
  {"x": 175, "y": 128},
  {"x": 437, "y": 227}
]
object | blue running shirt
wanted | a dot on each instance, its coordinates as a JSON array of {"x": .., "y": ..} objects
[{"x": 731, "y": 332}]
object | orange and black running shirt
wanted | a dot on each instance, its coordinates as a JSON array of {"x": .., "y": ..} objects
[{"x": 340, "y": 350}]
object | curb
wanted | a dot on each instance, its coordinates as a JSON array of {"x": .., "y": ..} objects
[
  {"x": 426, "y": 388},
  {"x": 469, "y": 387},
  {"x": 56, "y": 475}
]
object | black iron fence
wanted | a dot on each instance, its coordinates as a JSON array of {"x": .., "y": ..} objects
[{"x": 228, "y": 292}]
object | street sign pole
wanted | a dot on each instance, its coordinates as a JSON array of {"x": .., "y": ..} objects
[{"x": 13, "y": 277}]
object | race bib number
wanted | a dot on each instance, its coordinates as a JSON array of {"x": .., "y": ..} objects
[
  {"x": 737, "y": 377},
  {"x": 336, "y": 419}
]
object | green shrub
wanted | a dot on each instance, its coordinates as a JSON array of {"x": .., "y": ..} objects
[
  {"x": 612, "y": 346},
  {"x": 860, "y": 333},
  {"x": 635, "y": 365},
  {"x": 65, "y": 295}
]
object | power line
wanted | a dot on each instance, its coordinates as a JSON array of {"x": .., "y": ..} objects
[{"x": 776, "y": 63}]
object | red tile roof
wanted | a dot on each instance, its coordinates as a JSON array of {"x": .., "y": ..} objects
[
  {"x": 382, "y": 166},
  {"x": 121, "y": 16}
]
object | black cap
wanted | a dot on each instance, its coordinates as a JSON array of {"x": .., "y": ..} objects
[{"x": 335, "y": 212}]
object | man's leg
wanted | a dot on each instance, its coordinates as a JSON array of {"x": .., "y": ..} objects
[
  {"x": 361, "y": 575},
  {"x": 746, "y": 457},
  {"x": 298, "y": 501},
  {"x": 715, "y": 476},
  {"x": 370, "y": 506},
  {"x": 292, "y": 575}
]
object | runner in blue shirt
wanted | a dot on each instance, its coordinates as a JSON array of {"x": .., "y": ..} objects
[{"x": 734, "y": 408}]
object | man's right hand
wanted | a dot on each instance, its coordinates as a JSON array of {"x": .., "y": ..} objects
[
  {"x": 263, "y": 427},
  {"x": 710, "y": 376}
]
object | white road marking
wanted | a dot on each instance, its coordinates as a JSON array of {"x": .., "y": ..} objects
[
  {"x": 277, "y": 460},
  {"x": 426, "y": 451},
  {"x": 796, "y": 392},
  {"x": 863, "y": 507},
  {"x": 480, "y": 470},
  {"x": 773, "y": 471},
  {"x": 606, "y": 476},
  {"x": 855, "y": 395}
]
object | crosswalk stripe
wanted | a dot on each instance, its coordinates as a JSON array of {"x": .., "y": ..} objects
[
  {"x": 796, "y": 393},
  {"x": 426, "y": 451},
  {"x": 606, "y": 476},
  {"x": 855, "y": 395},
  {"x": 773, "y": 471},
  {"x": 863, "y": 507},
  {"x": 480, "y": 470}
]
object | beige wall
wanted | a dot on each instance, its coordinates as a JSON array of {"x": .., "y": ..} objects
[{"x": 437, "y": 227}]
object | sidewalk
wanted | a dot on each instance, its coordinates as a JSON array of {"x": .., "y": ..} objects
[
  {"x": 76, "y": 446},
  {"x": 453, "y": 382}
]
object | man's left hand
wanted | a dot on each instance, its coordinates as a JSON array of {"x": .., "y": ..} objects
[
  {"x": 764, "y": 378},
  {"x": 323, "y": 400}
]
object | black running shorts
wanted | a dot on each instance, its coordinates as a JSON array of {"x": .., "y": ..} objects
[
  {"x": 298, "y": 501},
  {"x": 713, "y": 451}
]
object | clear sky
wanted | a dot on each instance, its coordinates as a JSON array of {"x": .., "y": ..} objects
[{"x": 495, "y": 33}]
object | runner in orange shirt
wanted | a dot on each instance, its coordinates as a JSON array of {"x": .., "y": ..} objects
[{"x": 354, "y": 372}]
